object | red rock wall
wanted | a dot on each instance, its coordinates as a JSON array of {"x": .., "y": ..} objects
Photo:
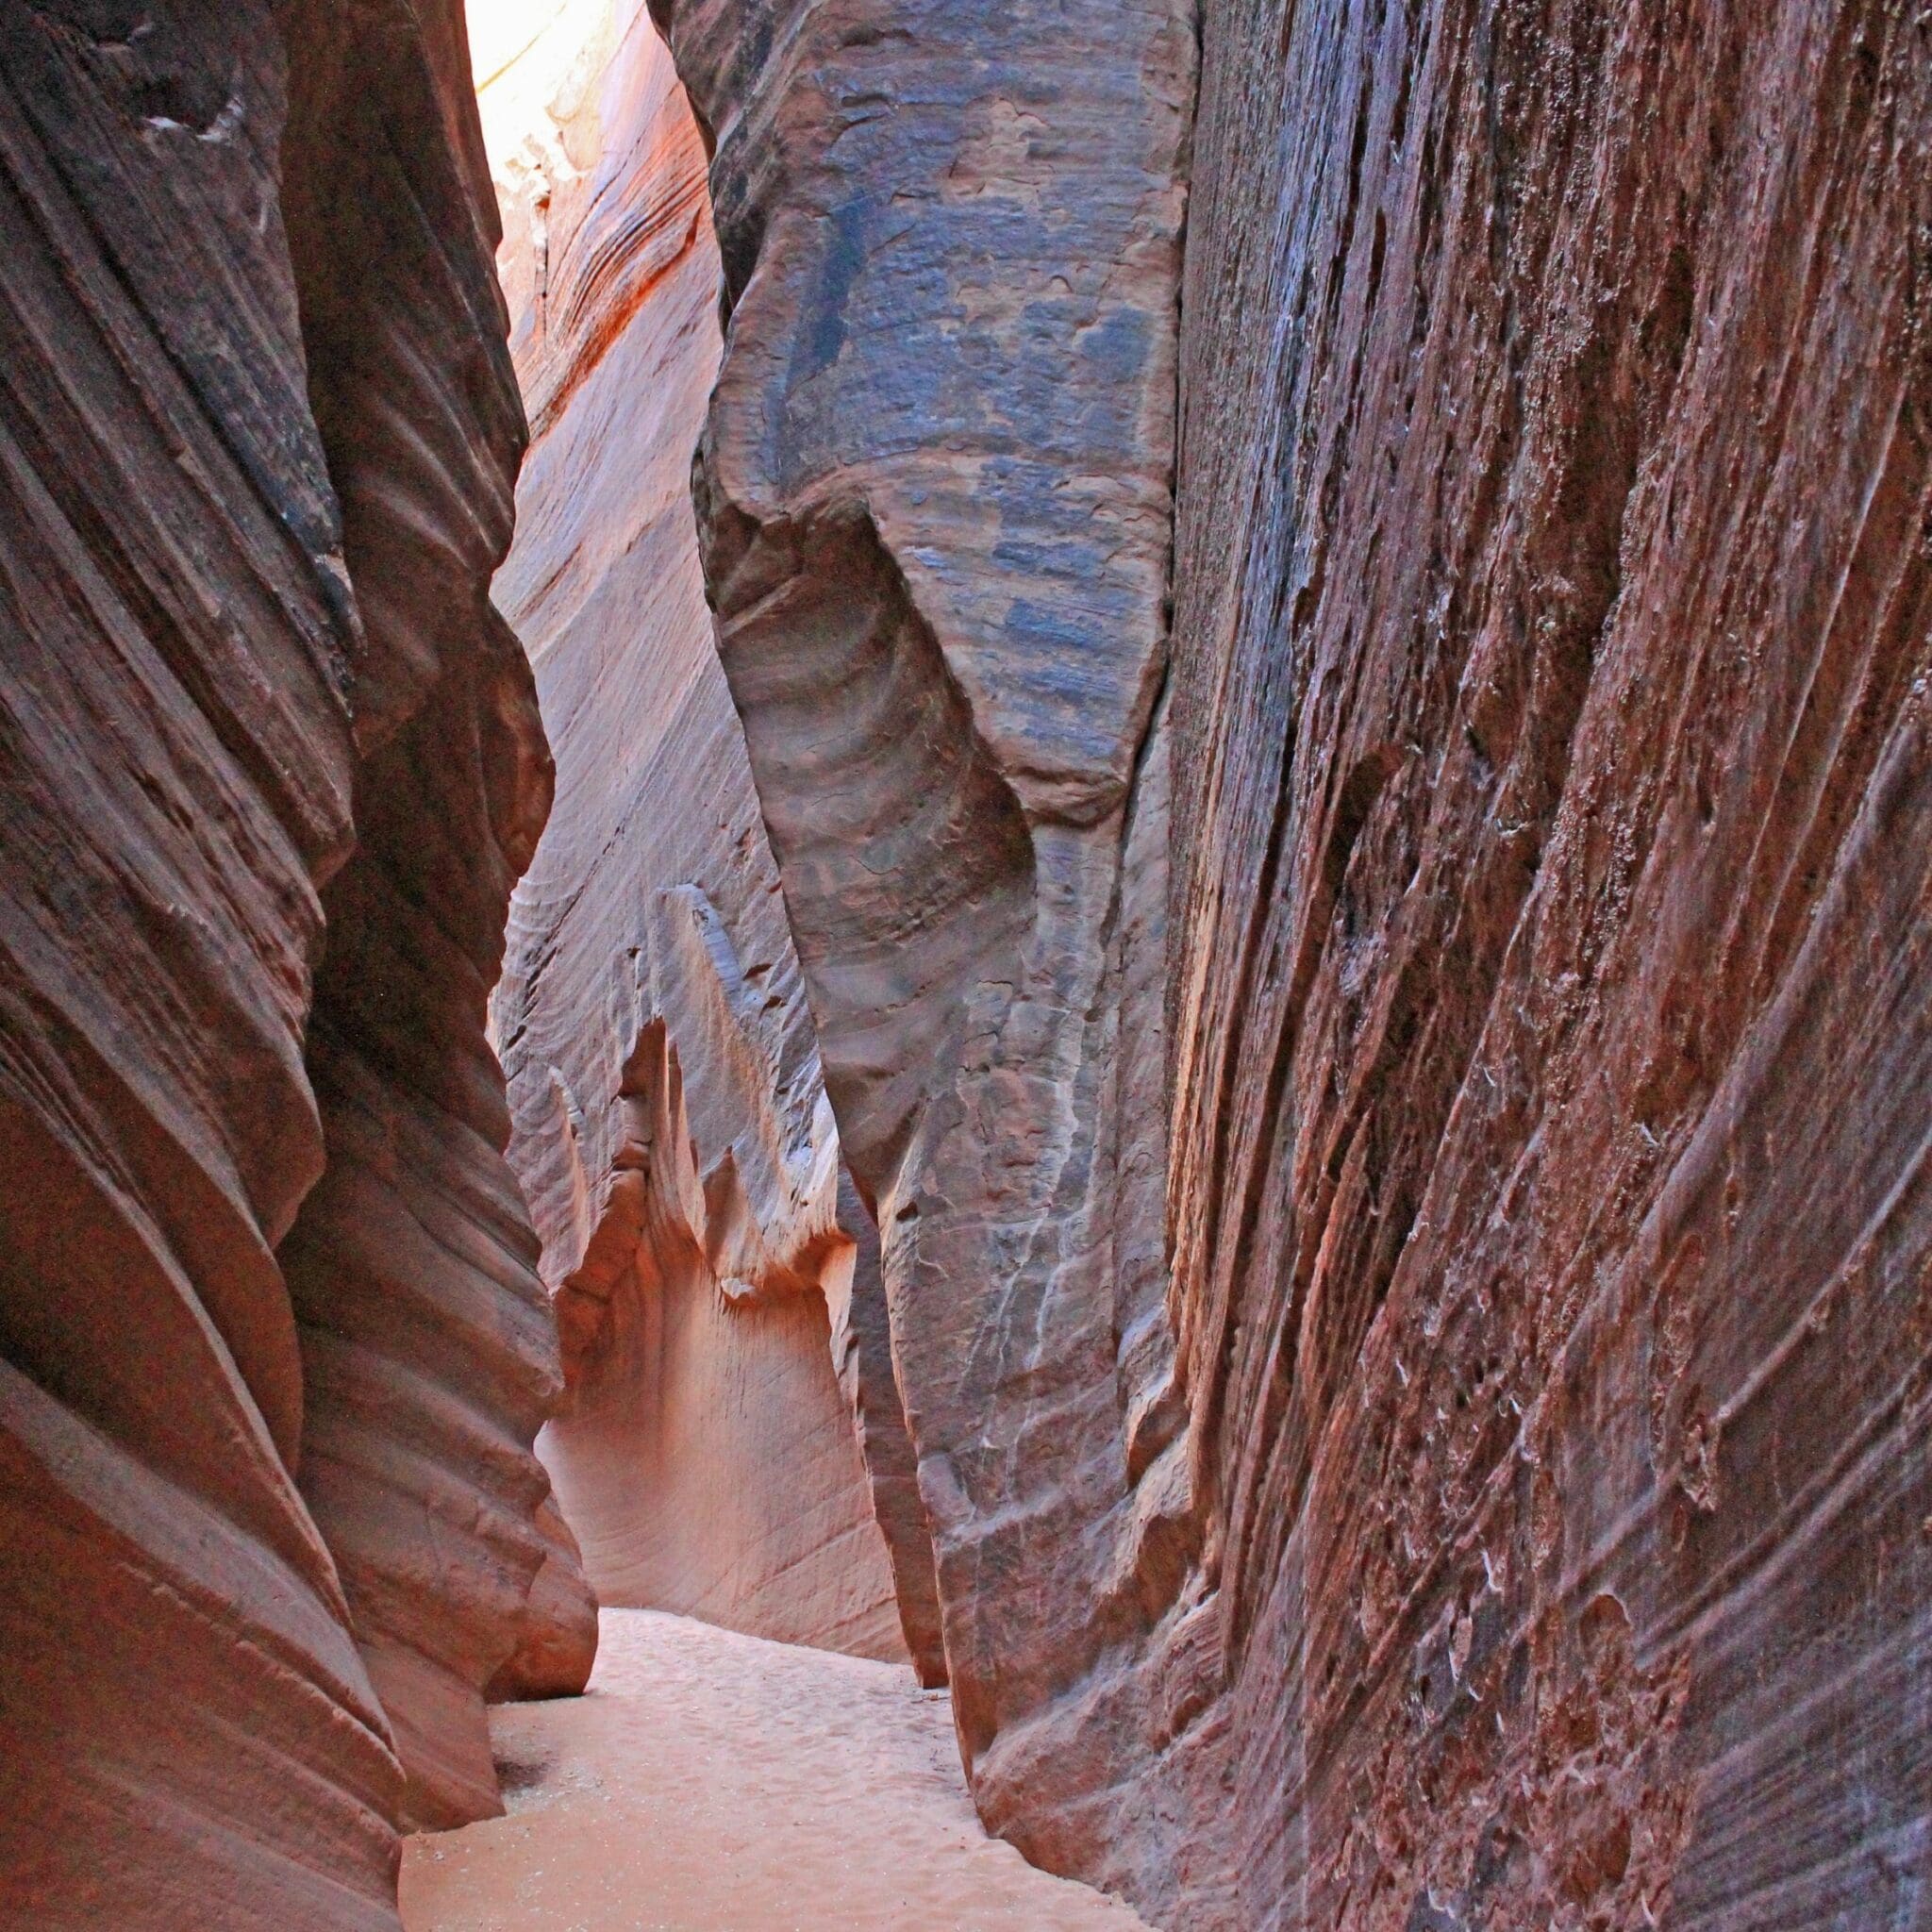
[
  {"x": 216, "y": 553},
  {"x": 1489, "y": 1494},
  {"x": 429, "y": 1344},
  {"x": 1552, "y": 1238},
  {"x": 178, "y": 754},
  {"x": 672, "y": 1126}
]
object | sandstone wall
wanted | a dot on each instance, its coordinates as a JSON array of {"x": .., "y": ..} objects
[
  {"x": 1488, "y": 1490},
  {"x": 935, "y": 493},
  {"x": 256, "y": 437},
  {"x": 1550, "y": 1229},
  {"x": 429, "y": 1347},
  {"x": 672, "y": 1126}
]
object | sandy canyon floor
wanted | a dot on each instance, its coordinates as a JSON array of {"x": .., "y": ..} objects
[{"x": 709, "y": 1780}]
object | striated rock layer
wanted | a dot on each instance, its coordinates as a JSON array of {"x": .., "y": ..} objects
[
  {"x": 671, "y": 1128},
  {"x": 935, "y": 493},
  {"x": 256, "y": 437},
  {"x": 178, "y": 760},
  {"x": 428, "y": 1346},
  {"x": 1553, "y": 1242},
  {"x": 1488, "y": 1489}
]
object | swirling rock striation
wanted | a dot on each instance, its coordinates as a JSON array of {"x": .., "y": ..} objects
[
  {"x": 429, "y": 1346},
  {"x": 257, "y": 438},
  {"x": 178, "y": 764},
  {"x": 671, "y": 1123},
  {"x": 1407, "y": 1263}
]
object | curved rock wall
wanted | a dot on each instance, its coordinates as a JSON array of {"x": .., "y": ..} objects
[
  {"x": 671, "y": 1128},
  {"x": 179, "y": 630},
  {"x": 934, "y": 494},
  {"x": 1377, "y": 1308},
  {"x": 429, "y": 1347},
  {"x": 257, "y": 438},
  {"x": 1483, "y": 1492}
]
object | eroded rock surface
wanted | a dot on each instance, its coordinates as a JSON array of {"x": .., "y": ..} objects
[
  {"x": 1487, "y": 1494},
  {"x": 1552, "y": 1236},
  {"x": 936, "y": 497},
  {"x": 178, "y": 762},
  {"x": 429, "y": 1346},
  {"x": 257, "y": 438},
  {"x": 672, "y": 1126},
  {"x": 1320, "y": 1196}
]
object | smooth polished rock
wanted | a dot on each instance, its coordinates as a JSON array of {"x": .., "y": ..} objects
[
  {"x": 429, "y": 1348},
  {"x": 266, "y": 1497},
  {"x": 174, "y": 731}
]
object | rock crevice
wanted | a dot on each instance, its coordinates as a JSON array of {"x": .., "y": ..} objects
[
  {"x": 732, "y": 1442},
  {"x": 1224, "y": 1024}
]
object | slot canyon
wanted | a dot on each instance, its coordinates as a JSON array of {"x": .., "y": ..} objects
[{"x": 965, "y": 965}]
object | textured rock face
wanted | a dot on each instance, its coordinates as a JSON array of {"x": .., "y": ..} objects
[
  {"x": 556, "y": 1629},
  {"x": 1549, "y": 1203},
  {"x": 1367, "y": 1192},
  {"x": 862, "y": 1348},
  {"x": 429, "y": 1347},
  {"x": 178, "y": 764},
  {"x": 671, "y": 1128},
  {"x": 1493, "y": 1497},
  {"x": 257, "y": 435}
]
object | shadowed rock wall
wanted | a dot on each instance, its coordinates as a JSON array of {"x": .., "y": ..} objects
[
  {"x": 256, "y": 437},
  {"x": 429, "y": 1347},
  {"x": 178, "y": 632},
  {"x": 1487, "y": 1491},
  {"x": 671, "y": 1126}
]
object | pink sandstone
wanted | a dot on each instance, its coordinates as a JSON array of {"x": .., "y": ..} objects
[{"x": 672, "y": 1126}]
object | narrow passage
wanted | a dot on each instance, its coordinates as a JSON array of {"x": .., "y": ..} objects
[{"x": 709, "y": 1780}]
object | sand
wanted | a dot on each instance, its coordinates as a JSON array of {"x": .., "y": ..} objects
[{"x": 709, "y": 1780}]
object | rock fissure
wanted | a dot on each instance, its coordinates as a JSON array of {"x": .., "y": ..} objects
[{"x": 1170, "y": 965}]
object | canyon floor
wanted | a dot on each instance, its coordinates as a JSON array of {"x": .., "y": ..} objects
[{"x": 709, "y": 1780}]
